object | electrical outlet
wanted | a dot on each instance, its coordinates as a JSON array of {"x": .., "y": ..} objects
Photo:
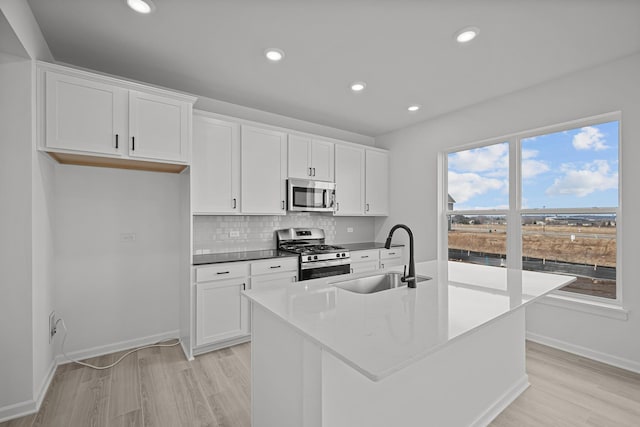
[
  {"x": 349, "y": 229},
  {"x": 52, "y": 326},
  {"x": 235, "y": 233}
]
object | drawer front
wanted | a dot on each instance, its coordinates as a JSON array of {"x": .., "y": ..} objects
[
  {"x": 363, "y": 267},
  {"x": 276, "y": 265},
  {"x": 221, "y": 271},
  {"x": 391, "y": 253},
  {"x": 364, "y": 256}
]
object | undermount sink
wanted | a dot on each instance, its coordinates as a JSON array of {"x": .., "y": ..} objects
[{"x": 377, "y": 283}]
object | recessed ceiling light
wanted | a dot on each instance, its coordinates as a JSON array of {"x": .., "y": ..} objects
[
  {"x": 141, "y": 6},
  {"x": 358, "y": 86},
  {"x": 274, "y": 55},
  {"x": 413, "y": 108},
  {"x": 467, "y": 34}
]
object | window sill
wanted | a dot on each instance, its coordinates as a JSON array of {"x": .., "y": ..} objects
[{"x": 598, "y": 308}]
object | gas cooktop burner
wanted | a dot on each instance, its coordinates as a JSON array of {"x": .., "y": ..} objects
[{"x": 311, "y": 249}]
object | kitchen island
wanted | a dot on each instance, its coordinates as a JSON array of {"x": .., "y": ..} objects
[{"x": 449, "y": 353}]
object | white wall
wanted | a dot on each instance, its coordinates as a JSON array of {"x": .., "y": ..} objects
[
  {"x": 610, "y": 87},
  {"x": 43, "y": 224},
  {"x": 114, "y": 293},
  {"x": 15, "y": 230}
]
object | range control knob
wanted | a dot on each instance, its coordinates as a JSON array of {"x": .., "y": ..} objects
[
  {"x": 309, "y": 258},
  {"x": 337, "y": 255},
  {"x": 344, "y": 255},
  {"x": 315, "y": 257}
]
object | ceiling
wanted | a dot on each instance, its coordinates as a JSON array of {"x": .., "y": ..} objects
[{"x": 404, "y": 50}]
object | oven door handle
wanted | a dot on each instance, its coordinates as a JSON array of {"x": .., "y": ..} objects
[{"x": 327, "y": 263}]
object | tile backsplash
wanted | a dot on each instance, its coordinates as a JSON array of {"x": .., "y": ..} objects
[{"x": 235, "y": 233}]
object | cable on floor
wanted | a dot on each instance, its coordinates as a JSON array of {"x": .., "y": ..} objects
[{"x": 88, "y": 365}]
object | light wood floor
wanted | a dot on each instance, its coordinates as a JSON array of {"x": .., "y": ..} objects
[{"x": 158, "y": 387}]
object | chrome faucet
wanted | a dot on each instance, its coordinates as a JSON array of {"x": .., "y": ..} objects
[{"x": 411, "y": 279}]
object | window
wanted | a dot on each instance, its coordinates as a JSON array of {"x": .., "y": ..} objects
[{"x": 561, "y": 198}]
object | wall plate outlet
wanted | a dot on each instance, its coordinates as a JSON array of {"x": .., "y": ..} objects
[
  {"x": 127, "y": 237},
  {"x": 235, "y": 233},
  {"x": 52, "y": 326},
  {"x": 349, "y": 229}
]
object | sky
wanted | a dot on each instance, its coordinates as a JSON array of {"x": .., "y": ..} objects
[{"x": 577, "y": 168}]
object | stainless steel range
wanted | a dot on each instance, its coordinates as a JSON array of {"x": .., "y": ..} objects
[{"x": 316, "y": 259}]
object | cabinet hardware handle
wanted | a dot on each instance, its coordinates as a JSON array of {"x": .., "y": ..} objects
[
  {"x": 293, "y": 279},
  {"x": 364, "y": 256},
  {"x": 310, "y": 172},
  {"x": 367, "y": 209},
  {"x": 337, "y": 206},
  {"x": 314, "y": 171},
  {"x": 222, "y": 272},
  {"x": 244, "y": 286},
  {"x": 234, "y": 203},
  {"x": 283, "y": 207},
  {"x": 351, "y": 270},
  {"x": 116, "y": 141},
  {"x": 133, "y": 143},
  {"x": 275, "y": 266},
  {"x": 392, "y": 253},
  {"x": 381, "y": 265}
]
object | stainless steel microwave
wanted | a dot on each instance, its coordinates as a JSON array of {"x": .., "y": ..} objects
[{"x": 311, "y": 196}]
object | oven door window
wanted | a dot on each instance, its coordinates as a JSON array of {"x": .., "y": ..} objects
[{"x": 309, "y": 197}]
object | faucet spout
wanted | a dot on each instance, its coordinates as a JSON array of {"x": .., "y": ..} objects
[{"x": 411, "y": 279}]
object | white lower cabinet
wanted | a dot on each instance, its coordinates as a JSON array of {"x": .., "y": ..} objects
[
  {"x": 391, "y": 257},
  {"x": 273, "y": 272},
  {"x": 222, "y": 313},
  {"x": 363, "y": 261}
]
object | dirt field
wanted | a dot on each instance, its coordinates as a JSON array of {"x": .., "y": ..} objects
[{"x": 584, "y": 245}]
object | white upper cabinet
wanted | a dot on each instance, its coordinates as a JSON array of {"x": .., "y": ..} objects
[
  {"x": 264, "y": 171},
  {"x": 158, "y": 127},
  {"x": 87, "y": 114},
  {"x": 349, "y": 171},
  {"x": 215, "y": 167},
  {"x": 310, "y": 158},
  {"x": 377, "y": 183}
]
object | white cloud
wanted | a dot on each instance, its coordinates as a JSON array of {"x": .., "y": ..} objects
[
  {"x": 531, "y": 168},
  {"x": 595, "y": 176},
  {"x": 464, "y": 186},
  {"x": 590, "y": 138},
  {"x": 491, "y": 158},
  {"x": 529, "y": 154}
]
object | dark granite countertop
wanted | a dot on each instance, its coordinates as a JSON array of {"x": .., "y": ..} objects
[
  {"x": 219, "y": 258},
  {"x": 239, "y": 256},
  {"x": 365, "y": 246}
]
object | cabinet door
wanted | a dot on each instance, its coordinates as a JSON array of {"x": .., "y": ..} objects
[
  {"x": 349, "y": 180},
  {"x": 215, "y": 167},
  {"x": 84, "y": 115},
  {"x": 322, "y": 158},
  {"x": 266, "y": 280},
  {"x": 377, "y": 183},
  {"x": 264, "y": 168},
  {"x": 363, "y": 267},
  {"x": 158, "y": 127},
  {"x": 222, "y": 313},
  {"x": 299, "y": 157}
]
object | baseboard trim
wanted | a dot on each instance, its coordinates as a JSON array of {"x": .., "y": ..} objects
[
  {"x": 217, "y": 346},
  {"x": 118, "y": 346},
  {"x": 609, "y": 359},
  {"x": 31, "y": 406},
  {"x": 46, "y": 382},
  {"x": 17, "y": 410},
  {"x": 501, "y": 404}
]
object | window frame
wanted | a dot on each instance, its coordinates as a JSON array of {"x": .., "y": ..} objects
[{"x": 515, "y": 212}]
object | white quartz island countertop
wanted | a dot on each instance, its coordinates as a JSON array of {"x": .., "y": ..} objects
[{"x": 378, "y": 334}]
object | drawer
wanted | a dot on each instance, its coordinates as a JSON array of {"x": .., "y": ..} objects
[
  {"x": 275, "y": 265},
  {"x": 222, "y": 271},
  {"x": 363, "y": 256},
  {"x": 391, "y": 253}
]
